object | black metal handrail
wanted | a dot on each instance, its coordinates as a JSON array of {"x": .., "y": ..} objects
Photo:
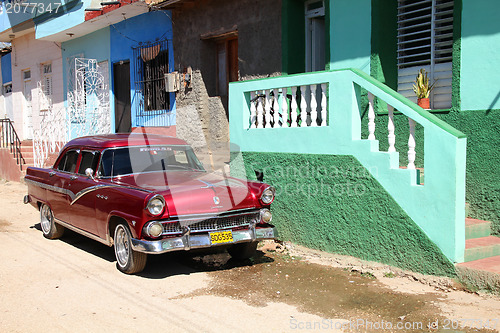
[{"x": 9, "y": 139}]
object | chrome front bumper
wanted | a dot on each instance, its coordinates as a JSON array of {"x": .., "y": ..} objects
[{"x": 188, "y": 241}]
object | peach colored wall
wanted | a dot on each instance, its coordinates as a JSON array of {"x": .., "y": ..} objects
[{"x": 28, "y": 53}]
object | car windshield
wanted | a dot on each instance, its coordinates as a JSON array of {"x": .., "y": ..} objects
[{"x": 130, "y": 160}]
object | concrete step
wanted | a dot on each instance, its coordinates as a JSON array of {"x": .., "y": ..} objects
[
  {"x": 477, "y": 228},
  {"x": 483, "y": 274},
  {"x": 481, "y": 248}
]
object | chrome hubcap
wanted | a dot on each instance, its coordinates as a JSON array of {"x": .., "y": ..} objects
[
  {"x": 45, "y": 219},
  {"x": 122, "y": 248}
]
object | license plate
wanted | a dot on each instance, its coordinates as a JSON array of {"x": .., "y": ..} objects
[{"x": 221, "y": 237}]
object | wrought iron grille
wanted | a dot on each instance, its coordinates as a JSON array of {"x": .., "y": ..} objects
[{"x": 151, "y": 65}]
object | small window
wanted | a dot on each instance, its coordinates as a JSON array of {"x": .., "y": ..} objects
[
  {"x": 7, "y": 88},
  {"x": 27, "y": 75},
  {"x": 68, "y": 161},
  {"x": 89, "y": 160}
]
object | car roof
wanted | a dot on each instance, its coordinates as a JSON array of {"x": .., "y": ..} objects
[{"x": 124, "y": 140}]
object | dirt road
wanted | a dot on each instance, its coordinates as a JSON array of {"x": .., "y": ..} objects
[{"x": 73, "y": 285}]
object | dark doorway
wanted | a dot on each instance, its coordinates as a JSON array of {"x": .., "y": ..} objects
[{"x": 121, "y": 80}]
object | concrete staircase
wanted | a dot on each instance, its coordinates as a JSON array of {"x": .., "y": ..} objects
[
  {"x": 481, "y": 268},
  {"x": 27, "y": 152}
]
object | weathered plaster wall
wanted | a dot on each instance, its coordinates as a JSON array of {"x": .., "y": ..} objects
[
  {"x": 350, "y": 34},
  {"x": 332, "y": 203},
  {"x": 201, "y": 114},
  {"x": 29, "y": 53},
  {"x": 480, "y": 55}
]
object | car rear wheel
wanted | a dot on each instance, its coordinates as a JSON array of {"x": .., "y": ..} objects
[
  {"x": 127, "y": 260},
  {"x": 50, "y": 228},
  {"x": 243, "y": 250}
]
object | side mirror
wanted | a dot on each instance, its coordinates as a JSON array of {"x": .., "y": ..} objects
[{"x": 90, "y": 173}]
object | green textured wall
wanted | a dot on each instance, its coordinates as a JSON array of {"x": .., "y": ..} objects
[
  {"x": 483, "y": 156},
  {"x": 483, "y": 160},
  {"x": 332, "y": 203}
]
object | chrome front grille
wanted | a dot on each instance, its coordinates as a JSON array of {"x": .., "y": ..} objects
[{"x": 212, "y": 224}]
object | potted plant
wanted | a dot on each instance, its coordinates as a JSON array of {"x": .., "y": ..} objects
[{"x": 422, "y": 89}]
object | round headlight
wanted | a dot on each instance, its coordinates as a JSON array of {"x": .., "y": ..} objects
[
  {"x": 154, "y": 229},
  {"x": 156, "y": 205},
  {"x": 267, "y": 196},
  {"x": 265, "y": 215}
]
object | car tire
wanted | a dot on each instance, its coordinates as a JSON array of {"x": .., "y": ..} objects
[
  {"x": 127, "y": 260},
  {"x": 50, "y": 228},
  {"x": 243, "y": 250}
]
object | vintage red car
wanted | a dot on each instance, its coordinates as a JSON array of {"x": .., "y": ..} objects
[{"x": 147, "y": 195}]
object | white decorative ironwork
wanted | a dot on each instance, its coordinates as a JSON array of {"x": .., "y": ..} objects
[
  {"x": 88, "y": 103},
  {"x": 260, "y": 112},
  {"x": 50, "y": 137},
  {"x": 87, "y": 112}
]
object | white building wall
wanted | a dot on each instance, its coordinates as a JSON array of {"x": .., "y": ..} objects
[{"x": 28, "y": 53}]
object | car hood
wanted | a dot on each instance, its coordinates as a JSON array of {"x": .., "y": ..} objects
[{"x": 188, "y": 193}]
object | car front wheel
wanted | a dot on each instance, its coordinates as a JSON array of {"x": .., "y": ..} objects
[
  {"x": 127, "y": 260},
  {"x": 50, "y": 228},
  {"x": 243, "y": 250}
]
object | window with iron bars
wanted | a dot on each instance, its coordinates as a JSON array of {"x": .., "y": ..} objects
[{"x": 151, "y": 65}]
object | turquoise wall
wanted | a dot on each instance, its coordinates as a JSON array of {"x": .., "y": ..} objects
[
  {"x": 92, "y": 46},
  {"x": 350, "y": 34},
  {"x": 480, "y": 56}
]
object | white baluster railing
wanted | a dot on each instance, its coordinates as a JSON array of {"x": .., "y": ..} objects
[
  {"x": 276, "y": 109},
  {"x": 314, "y": 106},
  {"x": 411, "y": 145},
  {"x": 391, "y": 137},
  {"x": 294, "y": 107},
  {"x": 371, "y": 118},
  {"x": 323, "y": 104},
  {"x": 303, "y": 106},
  {"x": 260, "y": 112},
  {"x": 269, "y": 108},
  {"x": 284, "y": 107},
  {"x": 253, "y": 110}
]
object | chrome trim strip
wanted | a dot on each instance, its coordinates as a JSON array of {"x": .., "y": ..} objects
[
  {"x": 204, "y": 216},
  {"x": 83, "y": 232},
  {"x": 187, "y": 242},
  {"x": 51, "y": 188},
  {"x": 101, "y": 186}
]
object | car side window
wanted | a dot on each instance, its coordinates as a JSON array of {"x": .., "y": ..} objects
[
  {"x": 89, "y": 160},
  {"x": 68, "y": 161}
]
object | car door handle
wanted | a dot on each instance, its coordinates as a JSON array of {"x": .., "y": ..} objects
[{"x": 73, "y": 177}]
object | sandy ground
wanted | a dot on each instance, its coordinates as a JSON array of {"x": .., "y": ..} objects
[{"x": 73, "y": 285}]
